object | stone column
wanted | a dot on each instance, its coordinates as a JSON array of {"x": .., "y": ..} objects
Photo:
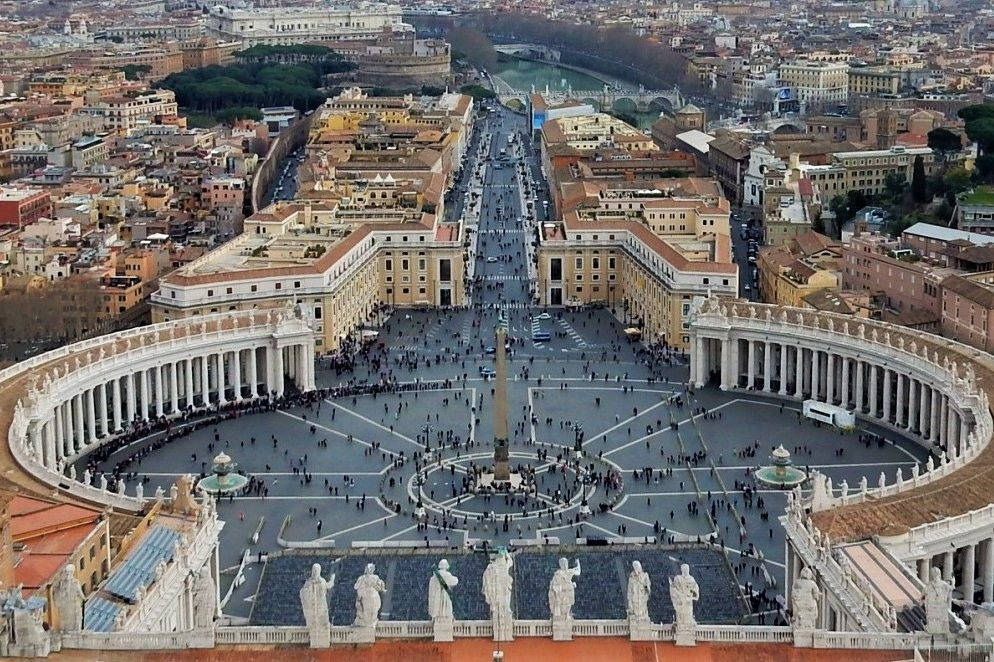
[
  {"x": 726, "y": 366},
  {"x": 923, "y": 567},
  {"x": 798, "y": 372},
  {"x": 278, "y": 370},
  {"x": 888, "y": 376},
  {"x": 988, "y": 570},
  {"x": 253, "y": 374},
  {"x": 830, "y": 379},
  {"x": 188, "y": 375},
  {"x": 173, "y": 387},
  {"x": 944, "y": 422},
  {"x": 934, "y": 400},
  {"x": 697, "y": 361},
  {"x": 77, "y": 414},
  {"x": 952, "y": 430},
  {"x": 860, "y": 399},
  {"x": 751, "y": 369},
  {"x": 56, "y": 438},
  {"x": 815, "y": 376},
  {"x": 143, "y": 387},
  {"x": 874, "y": 390},
  {"x": 205, "y": 379},
  {"x": 923, "y": 409},
  {"x": 969, "y": 569},
  {"x": 964, "y": 432},
  {"x": 221, "y": 397},
  {"x": 115, "y": 399},
  {"x": 947, "y": 567},
  {"x": 308, "y": 351},
  {"x": 49, "y": 445},
  {"x": 236, "y": 373},
  {"x": 101, "y": 393},
  {"x": 909, "y": 422},
  {"x": 783, "y": 369},
  {"x": 845, "y": 381},
  {"x": 91, "y": 415},
  {"x": 130, "y": 387},
  {"x": 899, "y": 412},
  {"x": 767, "y": 366},
  {"x": 160, "y": 398}
]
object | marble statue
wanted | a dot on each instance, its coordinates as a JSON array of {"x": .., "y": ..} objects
[
  {"x": 314, "y": 604},
  {"x": 562, "y": 590},
  {"x": 87, "y": 477},
  {"x": 804, "y": 597},
  {"x": 204, "y": 599},
  {"x": 367, "y": 598},
  {"x": 25, "y": 619},
  {"x": 103, "y": 483},
  {"x": 938, "y": 600},
  {"x": 67, "y": 598},
  {"x": 639, "y": 587},
  {"x": 140, "y": 491},
  {"x": 497, "y": 590},
  {"x": 684, "y": 592},
  {"x": 440, "y": 587},
  {"x": 183, "y": 501}
]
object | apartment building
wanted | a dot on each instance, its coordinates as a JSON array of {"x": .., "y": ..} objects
[
  {"x": 817, "y": 83},
  {"x": 968, "y": 309},
  {"x": 804, "y": 264},
  {"x": 121, "y": 113},
  {"x": 20, "y": 207}
]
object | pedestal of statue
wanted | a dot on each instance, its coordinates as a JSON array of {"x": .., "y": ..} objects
[
  {"x": 442, "y": 629},
  {"x": 562, "y": 629},
  {"x": 685, "y": 636},
  {"x": 640, "y": 629},
  {"x": 363, "y": 635}
]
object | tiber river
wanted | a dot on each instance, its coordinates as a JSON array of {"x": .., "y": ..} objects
[{"x": 523, "y": 74}]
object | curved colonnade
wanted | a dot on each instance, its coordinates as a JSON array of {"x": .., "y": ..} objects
[
  {"x": 63, "y": 404},
  {"x": 925, "y": 387}
]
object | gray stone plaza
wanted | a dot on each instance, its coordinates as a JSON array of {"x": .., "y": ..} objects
[{"x": 658, "y": 463}]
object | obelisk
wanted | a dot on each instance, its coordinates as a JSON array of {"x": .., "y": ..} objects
[{"x": 502, "y": 467}]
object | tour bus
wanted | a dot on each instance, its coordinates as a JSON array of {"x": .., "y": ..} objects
[{"x": 830, "y": 414}]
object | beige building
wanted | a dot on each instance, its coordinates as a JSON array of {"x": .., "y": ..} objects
[
  {"x": 817, "y": 82},
  {"x": 645, "y": 252},
  {"x": 340, "y": 261},
  {"x": 788, "y": 274}
]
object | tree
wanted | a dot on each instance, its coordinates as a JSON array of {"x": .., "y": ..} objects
[
  {"x": 944, "y": 141},
  {"x": 479, "y": 50},
  {"x": 840, "y": 208},
  {"x": 981, "y": 131},
  {"x": 985, "y": 167},
  {"x": 894, "y": 184},
  {"x": 976, "y": 112},
  {"x": 918, "y": 189}
]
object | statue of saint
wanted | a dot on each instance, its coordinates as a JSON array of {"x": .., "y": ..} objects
[
  {"x": 314, "y": 599},
  {"x": 804, "y": 595},
  {"x": 367, "y": 598},
  {"x": 497, "y": 590},
  {"x": 204, "y": 600},
  {"x": 67, "y": 598},
  {"x": 684, "y": 592},
  {"x": 938, "y": 600},
  {"x": 440, "y": 592},
  {"x": 639, "y": 587},
  {"x": 562, "y": 590}
]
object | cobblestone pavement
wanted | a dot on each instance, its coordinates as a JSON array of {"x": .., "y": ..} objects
[{"x": 629, "y": 403}]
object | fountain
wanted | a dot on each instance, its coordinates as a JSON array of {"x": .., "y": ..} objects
[
  {"x": 782, "y": 474},
  {"x": 224, "y": 480}
]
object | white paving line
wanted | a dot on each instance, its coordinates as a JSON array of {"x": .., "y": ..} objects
[
  {"x": 357, "y": 526},
  {"x": 625, "y": 422},
  {"x": 374, "y": 423},
  {"x": 340, "y": 434},
  {"x": 400, "y": 533}
]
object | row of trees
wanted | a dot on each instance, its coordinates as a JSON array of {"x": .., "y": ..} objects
[
  {"x": 255, "y": 83},
  {"x": 615, "y": 51}
]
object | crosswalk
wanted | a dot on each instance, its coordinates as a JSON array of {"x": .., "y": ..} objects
[
  {"x": 571, "y": 332},
  {"x": 503, "y": 277},
  {"x": 515, "y": 305}
]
